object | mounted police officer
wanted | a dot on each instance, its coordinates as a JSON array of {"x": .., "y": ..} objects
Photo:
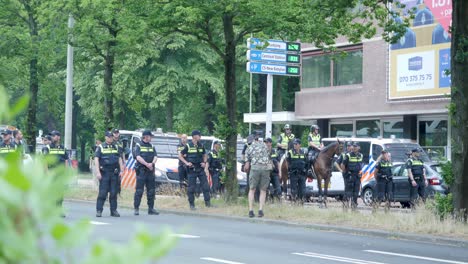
[
  {"x": 146, "y": 157},
  {"x": 352, "y": 165},
  {"x": 274, "y": 177},
  {"x": 215, "y": 165},
  {"x": 108, "y": 162},
  {"x": 416, "y": 177},
  {"x": 297, "y": 170},
  {"x": 383, "y": 170},
  {"x": 195, "y": 158},
  {"x": 7, "y": 146},
  {"x": 182, "y": 168},
  {"x": 315, "y": 143},
  {"x": 285, "y": 141}
]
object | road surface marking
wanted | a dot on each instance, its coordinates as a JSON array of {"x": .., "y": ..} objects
[
  {"x": 415, "y": 257},
  {"x": 336, "y": 258},
  {"x": 98, "y": 223},
  {"x": 220, "y": 260},
  {"x": 185, "y": 236}
]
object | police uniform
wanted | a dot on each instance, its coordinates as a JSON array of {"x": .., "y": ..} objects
[
  {"x": 109, "y": 166},
  {"x": 7, "y": 148},
  {"x": 215, "y": 167},
  {"x": 118, "y": 142},
  {"x": 145, "y": 176},
  {"x": 313, "y": 152},
  {"x": 417, "y": 169},
  {"x": 384, "y": 180},
  {"x": 182, "y": 168},
  {"x": 297, "y": 176},
  {"x": 194, "y": 154},
  {"x": 353, "y": 165},
  {"x": 56, "y": 150},
  {"x": 285, "y": 139},
  {"x": 274, "y": 178}
]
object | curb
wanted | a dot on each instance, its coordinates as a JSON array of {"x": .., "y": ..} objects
[{"x": 321, "y": 227}]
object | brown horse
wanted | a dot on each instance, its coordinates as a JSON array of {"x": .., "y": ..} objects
[{"x": 322, "y": 168}]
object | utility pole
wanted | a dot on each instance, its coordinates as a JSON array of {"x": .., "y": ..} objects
[{"x": 69, "y": 87}]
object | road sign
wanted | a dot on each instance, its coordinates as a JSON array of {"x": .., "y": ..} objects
[
  {"x": 258, "y": 55},
  {"x": 276, "y": 69},
  {"x": 273, "y": 45}
]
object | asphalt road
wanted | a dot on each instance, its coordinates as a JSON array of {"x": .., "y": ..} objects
[{"x": 211, "y": 240}]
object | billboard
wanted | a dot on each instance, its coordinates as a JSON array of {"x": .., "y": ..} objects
[{"x": 420, "y": 59}]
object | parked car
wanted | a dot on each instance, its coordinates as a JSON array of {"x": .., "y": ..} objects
[{"x": 401, "y": 189}]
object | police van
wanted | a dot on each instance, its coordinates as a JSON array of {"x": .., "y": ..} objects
[{"x": 371, "y": 148}]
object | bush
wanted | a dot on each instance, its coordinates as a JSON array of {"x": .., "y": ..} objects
[{"x": 443, "y": 205}]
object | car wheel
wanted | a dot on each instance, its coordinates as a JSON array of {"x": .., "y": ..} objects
[
  {"x": 405, "y": 204},
  {"x": 367, "y": 196}
]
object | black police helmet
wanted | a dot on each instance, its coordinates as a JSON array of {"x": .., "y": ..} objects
[
  {"x": 108, "y": 134},
  {"x": 196, "y": 132},
  {"x": 147, "y": 133}
]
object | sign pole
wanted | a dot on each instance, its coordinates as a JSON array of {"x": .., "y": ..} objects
[{"x": 269, "y": 105}]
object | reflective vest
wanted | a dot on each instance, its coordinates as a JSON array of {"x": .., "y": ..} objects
[
  {"x": 416, "y": 167},
  {"x": 180, "y": 147},
  {"x": 215, "y": 161},
  {"x": 354, "y": 162},
  {"x": 274, "y": 159},
  {"x": 195, "y": 153},
  {"x": 146, "y": 151},
  {"x": 5, "y": 149},
  {"x": 297, "y": 160},
  {"x": 287, "y": 139},
  {"x": 315, "y": 139},
  {"x": 385, "y": 168},
  {"x": 58, "y": 151},
  {"x": 109, "y": 155}
]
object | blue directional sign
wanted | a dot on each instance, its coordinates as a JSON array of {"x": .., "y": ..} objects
[
  {"x": 264, "y": 56},
  {"x": 276, "y": 69},
  {"x": 273, "y": 45}
]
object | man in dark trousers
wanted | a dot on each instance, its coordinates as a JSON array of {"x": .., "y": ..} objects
[
  {"x": 297, "y": 171},
  {"x": 384, "y": 178},
  {"x": 352, "y": 165},
  {"x": 146, "y": 157},
  {"x": 182, "y": 168},
  {"x": 195, "y": 158},
  {"x": 416, "y": 177},
  {"x": 108, "y": 161},
  {"x": 215, "y": 165},
  {"x": 274, "y": 177}
]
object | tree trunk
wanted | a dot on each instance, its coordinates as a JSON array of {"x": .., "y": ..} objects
[
  {"x": 170, "y": 113},
  {"x": 231, "y": 104},
  {"x": 459, "y": 107},
  {"x": 108, "y": 93},
  {"x": 277, "y": 94},
  {"x": 210, "y": 117}
]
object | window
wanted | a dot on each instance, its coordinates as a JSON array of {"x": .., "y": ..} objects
[
  {"x": 376, "y": 151},
  {"x": 433, "y": 137},
  {"x": 368, "y": 128},
  {"x": 341, "y": 130},
  {"x": 393, "y": 128},
  {"x": 325, "y": 70}
]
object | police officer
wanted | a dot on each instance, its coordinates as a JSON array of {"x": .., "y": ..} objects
[
  {"x": 195, "y": 158},
  {"x": 315, "y": 143},
  {"x": 274, "y": 177},
  {"x": 285, "y": 141},
  {"x": 18, "y": 140},
  {"x": 215, "y": 165},
  {"x": 46, "y": 141},
  {"x": 342, "y": 156},
  {"x": 117, "y": 141},
  {"x": 7, "y": 146},
  {"x": 182, "y": 168},
  {"x": 416, "y": 177},
  {"x": 146, "y": 157},
  {"x": 297, "y": 170},
  {"x": 108, "y": 161},
  {"x": 352, "y": 165},
  {"x": 383, "y": 170}
]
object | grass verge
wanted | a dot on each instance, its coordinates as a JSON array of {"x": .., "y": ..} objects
[{"x": 422, "y": 221}]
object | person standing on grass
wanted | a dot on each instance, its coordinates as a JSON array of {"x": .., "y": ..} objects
[{"x": 260, "y": 165}]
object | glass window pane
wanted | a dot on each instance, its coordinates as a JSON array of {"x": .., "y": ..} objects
[
  {"x": 368, "y": 128},
  {"x": 341, "y": 130},
  {"x": 393, "y": 128},
  {"x": 433, "y": 137},
  {"x": 316, "y": 71},
  {"x": 348, "y": 69}
]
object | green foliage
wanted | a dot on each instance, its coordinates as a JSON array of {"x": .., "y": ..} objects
[
  {"x": 447, "y": 173},
  {"x": 32, "y": 229},
  {"x": 443, "y": 205}
]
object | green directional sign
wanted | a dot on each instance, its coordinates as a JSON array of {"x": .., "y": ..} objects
[
  {"x": 293, "y": 58},
  {"x": 293, "y": 46}
]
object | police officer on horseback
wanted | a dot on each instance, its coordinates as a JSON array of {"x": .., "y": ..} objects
[
  {"x": 297, "y": 170},
  {"x": 416, "y": 177},
  {"x": 315, "y": 144},
  {"x": 285, "y": 141},
  {"x": 352, "y": 165},
  {"x": 195, "y": 158},
  {"x": 108, "y": 163},
  {"x": 383, "y": 170},
  {"x": 146, "y": 157}
]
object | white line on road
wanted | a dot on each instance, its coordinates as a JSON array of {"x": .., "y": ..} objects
[
  {"x": 220, "y": 260},
  {"x": 416, "y": 257},
  {"x": 185, "y": 236},
  {"x": 335, "y": 258},
  {"x": 98, "y": 223}
]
